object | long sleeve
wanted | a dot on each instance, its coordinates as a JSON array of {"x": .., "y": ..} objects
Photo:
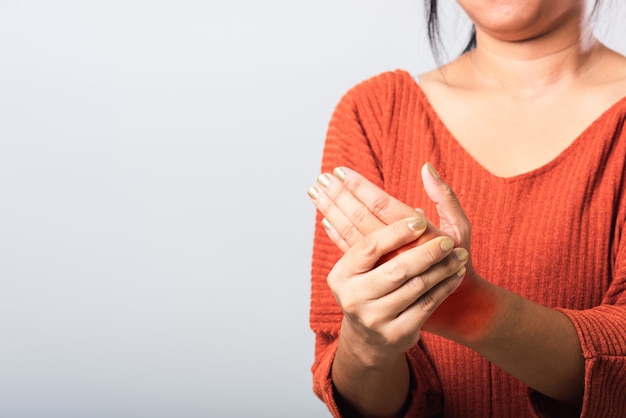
[
  {"x": 602, "y": 328},
  {"x": 602, "y": 333},
  {"x": 354, "y": 133}
]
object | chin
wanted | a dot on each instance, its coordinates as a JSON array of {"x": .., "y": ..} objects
[{"x": 517, "y": 20}]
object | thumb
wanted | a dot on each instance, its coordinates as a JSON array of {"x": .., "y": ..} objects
[{"x": 451, "y": 215}]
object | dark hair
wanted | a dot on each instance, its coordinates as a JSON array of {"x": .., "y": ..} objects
[{"x": 434, "y": 36}]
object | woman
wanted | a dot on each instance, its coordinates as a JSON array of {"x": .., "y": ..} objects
[{"x": 527, "y": 128}]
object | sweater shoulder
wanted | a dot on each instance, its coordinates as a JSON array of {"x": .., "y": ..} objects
[
  {"x": 377, "y": 102},
  {"x": 382, "y": 87}
]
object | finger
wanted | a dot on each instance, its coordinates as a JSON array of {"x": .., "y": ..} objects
[
  {"x": 346, "y": 231},
  {"x": 416, "y": 287},
  {"x": 382, "y": 205},
  {"x": 364, "y": 255},
  {"x": 357, "y": 213},
  {"x": 419, "y": 311},
  {"x": 334, "y": 236},
  {"x": 452, "y": 217},
  {"x": 421, "y": 267}
]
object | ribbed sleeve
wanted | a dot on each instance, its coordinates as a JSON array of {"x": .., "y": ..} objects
[
  {"x": 555, "y": 235},
  {"x": 354, "y": 135},
  {"x": 602, "y": 333}
]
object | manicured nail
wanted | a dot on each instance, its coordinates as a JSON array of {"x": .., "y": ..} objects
[
  {"x": 326, "y": 224},
  {"x": 340, "y": 174},
  {"x": 447, "y": 244},
  {"x": 417, "y": 224},
  {"x": 432, "y": 171},
  {"x": 324, "y": 180},
  {"x": 313, "y": 193},
  {"x": 461, "y": 272},
  {"x": 461, "y": 254}
]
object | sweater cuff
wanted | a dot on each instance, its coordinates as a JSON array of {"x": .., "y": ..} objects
[
  {"x": 603, "y": 342},
  {"x": 322, "y": 380},
  {"x": 544, "y": 407},
  {"x": 425, "y": 394}
]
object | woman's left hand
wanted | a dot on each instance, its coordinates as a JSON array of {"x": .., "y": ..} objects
[{"x": 354, "y": 207}]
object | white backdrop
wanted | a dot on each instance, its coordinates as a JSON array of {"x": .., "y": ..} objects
[{"x": 155, "y": 232}]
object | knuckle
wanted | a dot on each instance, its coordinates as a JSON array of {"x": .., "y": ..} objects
[
  {"x": 359, "y": 215},
  {"x": 323, "y": 204},
  {"x": 451, "y": 265},
  {"x": 400, "y": 229},
  {"x": 332, "y": 280},
  {"x": 349, "y": 306},
  {"x": 432, "y": 299},
  {"x": 397, "y": 272},
  {"x": 340, "y": 194},
  {"x": 336, "y": 283},
  {"x": 381, "y": 205},
  {"x": 349, "y": 232},
  {"x": 430, "y": 254},
  {"x": 368, "y": 246},
  {"x": 417, "y": 285},
  {"x": 371, "y": 321},
  {"x": 449, "y": 192},
  {"x": 397, "y": 339},
  {"x": 356, "y": 185},
  {"x": 449, "y": 287},
  {"x": 428, "y": 302},
  {"x": 404, "y": 337}
]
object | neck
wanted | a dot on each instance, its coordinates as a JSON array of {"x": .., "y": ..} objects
[{"x": 528, "y": 68}]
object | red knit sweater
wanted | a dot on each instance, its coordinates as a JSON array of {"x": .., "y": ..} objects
[{"x": 554, "y": 235}]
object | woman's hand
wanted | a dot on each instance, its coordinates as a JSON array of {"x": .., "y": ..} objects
[
  {"x": 385, "y": 305},
  {"x": 354, "y": 207}
]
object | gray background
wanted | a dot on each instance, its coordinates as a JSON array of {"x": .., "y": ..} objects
[{"x": 155, "y": 233}]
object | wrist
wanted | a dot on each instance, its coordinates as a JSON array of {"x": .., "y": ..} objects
[
  {"x": 359, "y": 350},
  {"x": 469, "y": 314},
  {"x": 370, "y": 385},
  {"x": 486, "y": 314}
]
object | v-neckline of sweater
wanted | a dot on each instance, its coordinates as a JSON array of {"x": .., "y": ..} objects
[{"x": 553, "y": 163}]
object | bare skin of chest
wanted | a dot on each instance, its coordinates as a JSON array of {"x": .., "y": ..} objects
[
  {"x": 517, "y": 131},
  {"x": 508, "y": 143}
]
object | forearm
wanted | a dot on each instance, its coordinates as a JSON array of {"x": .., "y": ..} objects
[
  {"x": 368, "y": 384},
  {"x": 535, "y": 344}
]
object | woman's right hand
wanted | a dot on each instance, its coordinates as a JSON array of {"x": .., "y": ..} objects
[{"x": 386, "y": 304}]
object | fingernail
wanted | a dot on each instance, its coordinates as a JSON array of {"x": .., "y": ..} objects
[
  {"x": 324, "y": 180},
  {"x": 313, "y": 193},
  {"x": 417, "y": 224},
  {"x": 447, "y": 244},
  {"x": 432, "y": 171},
  {"x": 340, "y": 174},
  {"x": 461, "y": 254},
  {"x": 461, "y": 272},
  {"x": 326, "y": 224}
]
